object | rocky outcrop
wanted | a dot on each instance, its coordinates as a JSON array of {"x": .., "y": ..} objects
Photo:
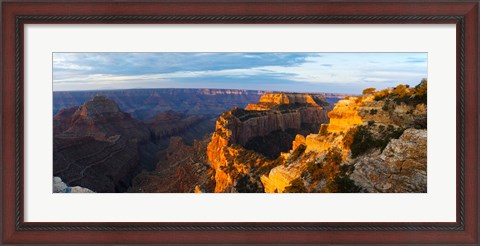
[
  {"x": 62, "y": 120},
  {"x": 313, "y": 147},
  {"x": 236, "y": 127},
  {"x": 344, "y": 115},
  {"x": 400, "y": 167},
  {"x": 371, "y": 144},
  {"x": 60, "y": 187},
  {"x": 272, "y": 100},
  {"x": 293, "y": 164},
  {"x": 98, "y": 148},
  {"x": 101, "y": 119},
  {"x": 240, "y": 125},
  {"x": 393, "y": 112},
  {"x": 275, "y": 111}
]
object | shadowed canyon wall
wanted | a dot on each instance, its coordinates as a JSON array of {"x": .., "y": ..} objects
[
  {"x": 146, "y": 103},
  {"x": 96, "y": 146}
]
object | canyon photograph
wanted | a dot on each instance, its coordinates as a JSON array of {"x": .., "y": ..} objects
[{"x": 222, "y": 122}]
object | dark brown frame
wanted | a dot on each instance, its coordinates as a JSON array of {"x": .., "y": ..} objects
[{"x": 464, "y": 14}]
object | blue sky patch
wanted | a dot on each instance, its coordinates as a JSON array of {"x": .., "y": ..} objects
[{"x": 299, "y": 72}]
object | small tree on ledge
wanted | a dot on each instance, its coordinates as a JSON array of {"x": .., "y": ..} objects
[{"x": 368, "y": 91}]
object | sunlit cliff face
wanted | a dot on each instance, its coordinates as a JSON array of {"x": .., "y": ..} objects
[
  {"x": 234, "y": 128},
  {"x": 270, "y": 100},
  {"x": 344, "y": 115},
  {"x": 360, "y": 129},
  {"x": 216, "y": 151}
]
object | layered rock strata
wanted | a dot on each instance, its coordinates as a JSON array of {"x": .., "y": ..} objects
[
  {"x": 144, "y": 104},
  {"x": 96, "y": 147},
  {"x": 371, "y": 144},
  {"x": 274, "y": 112}
]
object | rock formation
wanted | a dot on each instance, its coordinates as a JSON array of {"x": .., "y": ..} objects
[
  {"x": 234, "y": 129},
  {"x": 144, "y": 104},
  {"x": 101, "y": 119},
  {"x": 373, "y": 143},
  {"x": 285, "y": 142},
  {"x": 60, "y": 187},
  {"x": 184, "y": 168},
  {"x": 401, "y": 166},
  {"x": 344, "y": 115},
  {"x": 272, "y": 100},
  {"x": 96, "y": 147}
]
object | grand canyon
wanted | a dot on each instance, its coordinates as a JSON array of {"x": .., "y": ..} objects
[{"x": 240, "y": 141}]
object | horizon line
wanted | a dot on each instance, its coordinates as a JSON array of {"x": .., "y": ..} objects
[{"x": 179, "y": 88}]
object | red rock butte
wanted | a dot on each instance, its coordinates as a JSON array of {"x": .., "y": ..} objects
[{"x": 270, "y": 100}]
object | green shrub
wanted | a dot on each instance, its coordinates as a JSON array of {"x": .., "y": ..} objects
[
  {"x": 331, "y": 169},
  {"x": 245, "y": 185},
  {"x": 297, "y": 152},
  {"x": 334, "y": 155},
  {"x": 400, "y": 91},
  {"x": 364, "y": 141},
  {"x": 373, "y": 111},
  {"x": 323, "y": 129},
  {"x": 379, "y": 95},
  {"x": 421, "y": 92},
  {"x": 265, "y": 169},
  {"x": 386, "y": 106},
  {"x": 368, "y": 91},
  {"x": 358, "y": 99},
  {"x": 315, "y": 170},
  {"x": 420, "y": 123},
  {"x": 348, "y": 138},
  {"x": 296, "y": 186},
  {"x": 343, "y": 183},
  {"x": 412, "y": 97},
  {"x": 382, "y": 128}
]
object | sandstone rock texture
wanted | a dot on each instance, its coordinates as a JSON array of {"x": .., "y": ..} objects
[
  {"x": 280, "y": 142},
  {"x": 400, "y": 167},
  {"x": 362, "y": 136},
  {"x": 272, "y": 100},
  {"x": 390, "y": 112},
  {"x": 344, "y": 115},
  {"x": 242, "y": 125},
  {"x": 274, "y": 112},
  {"x": 281, "y": 176}
]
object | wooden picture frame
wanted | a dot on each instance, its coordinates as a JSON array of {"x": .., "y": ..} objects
[{"x": 17, "y": 13}]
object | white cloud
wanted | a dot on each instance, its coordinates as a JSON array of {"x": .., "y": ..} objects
[{"x": 329, "y": 68}]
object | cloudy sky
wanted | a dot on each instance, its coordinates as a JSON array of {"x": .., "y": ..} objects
[{"x": 299, "y": 72}]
